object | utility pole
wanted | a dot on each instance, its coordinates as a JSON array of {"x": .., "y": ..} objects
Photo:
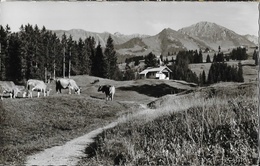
[{"x": 64, "y": 63}]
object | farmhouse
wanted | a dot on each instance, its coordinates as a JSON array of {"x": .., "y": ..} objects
[{"x": 162, "y": 73}]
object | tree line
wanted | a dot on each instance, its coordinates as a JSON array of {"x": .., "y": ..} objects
[{"x": 34, "y": 53}]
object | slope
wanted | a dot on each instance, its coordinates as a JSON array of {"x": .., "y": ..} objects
[{"x": 215, "y": 35}]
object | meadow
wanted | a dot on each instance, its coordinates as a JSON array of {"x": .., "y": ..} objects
[
  {"x": 208, "y": 125},
  {"x": 216, "y": 125}
]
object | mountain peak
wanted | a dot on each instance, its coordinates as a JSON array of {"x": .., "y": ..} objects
[{"x": 215, "y": 35}]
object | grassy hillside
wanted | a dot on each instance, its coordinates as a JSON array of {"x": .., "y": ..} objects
[
  {"x": 29, "y": 125},
  {"x": 212, "y": 126},
  {"x": 192, "y": 117}
]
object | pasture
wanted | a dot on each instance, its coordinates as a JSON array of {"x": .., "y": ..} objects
[
  {"x": 30, "y": 125},
  {"x": 216, "y": 125}
]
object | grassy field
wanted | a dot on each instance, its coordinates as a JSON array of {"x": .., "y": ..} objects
[
  {"x": 31, "y": 125},
  {"x": 216, "y": 125},
  {"x": 189, "y": 120}
]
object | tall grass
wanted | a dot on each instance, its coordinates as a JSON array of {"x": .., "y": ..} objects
[{"x": 221, "y": 130}]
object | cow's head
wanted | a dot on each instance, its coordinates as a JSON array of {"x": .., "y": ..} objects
[
  {"x": 100, "y": 88},
  {"x": 78, "y": 91}
]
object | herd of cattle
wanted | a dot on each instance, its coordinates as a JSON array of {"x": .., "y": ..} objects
[{"x": 8, "y": 87}]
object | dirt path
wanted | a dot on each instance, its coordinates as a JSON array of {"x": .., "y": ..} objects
[
  {"x": 67, "y": 154},
  {"x": 71, "y": 152}
]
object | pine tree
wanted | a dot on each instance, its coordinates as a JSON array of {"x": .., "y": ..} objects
[
  {"x": 129, "y": 73},
  {"x": 110, "y": 54},
  {"x": 150, "y": 60},
  {"x": 200, "y": 56},
  {"x": 14, "y": 64},
  {"x": 4, "y": 38},
  {"x": 240, "y": 73},
  {"x": 196, "y": 57},
  {"x": 208, "y": 59},
  {"x": 99, "y": 66},
  {"x": 203, "y": 78},
  {"x": 82, "y": 53}
]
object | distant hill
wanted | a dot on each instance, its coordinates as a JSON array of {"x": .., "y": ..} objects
[
  {"x": 252, "y": 38},
  {"x": 198, "y": 36},
  {"x": 215, "y": 35},
  {"x": 99, "y": 37}
]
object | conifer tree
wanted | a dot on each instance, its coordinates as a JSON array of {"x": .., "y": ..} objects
[
  {"x": 208, "y": 59},
  {"x": 99, "y": 66},
  {"x": 110, "y": 54},
  {"x": 203, "y": 78},
  {"x": 200, "y": 56},
  {"x": 240, "y": 73},
  {"x": 129, "y": 73},
  {"x": 150, "y": 60}
]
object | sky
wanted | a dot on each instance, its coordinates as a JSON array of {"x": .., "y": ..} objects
[{"x": 130, "y": 17}]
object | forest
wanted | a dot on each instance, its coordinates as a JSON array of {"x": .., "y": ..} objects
[{"x": 34, "y": 53}]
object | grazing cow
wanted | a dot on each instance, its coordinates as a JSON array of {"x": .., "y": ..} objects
[
  {"x": 8, "y": 87},
  {"x": 109, "y": 91},
  {"x": 36, "y": 85},
  {"x": 66, "y": 83},
  {"x": 21, "y": 89}
]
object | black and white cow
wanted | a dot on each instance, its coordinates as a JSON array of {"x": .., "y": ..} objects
[
  {"x": 109, "y": 90},
  {"x": 66, "y": 83}
]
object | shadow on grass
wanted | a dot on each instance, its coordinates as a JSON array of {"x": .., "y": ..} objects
[{"x": 153, "y": 90}]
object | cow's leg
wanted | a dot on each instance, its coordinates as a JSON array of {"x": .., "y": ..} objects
[
  {"x": 24, "y": 94},
  {"x": 44, "y": 92},
  {"x": 11, "y": 95},
  {"x": 58, "y": 89},
  {"x": 30, "y": 94},
  {"x": 38, "y": 94},
  {"x": 69, "y": 91}
]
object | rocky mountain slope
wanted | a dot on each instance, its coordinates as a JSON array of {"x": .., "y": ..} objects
[
  {"x": 215, "y": 35},
  {"x": 198, "y": 36},
  {"x": 252, "y": 38},
  {"x": 99, "y": 37}
]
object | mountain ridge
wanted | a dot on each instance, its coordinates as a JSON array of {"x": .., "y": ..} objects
[{"x": 201, "y": 35}]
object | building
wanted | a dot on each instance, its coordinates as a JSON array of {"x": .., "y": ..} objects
[{"x": 161, "y": 73}]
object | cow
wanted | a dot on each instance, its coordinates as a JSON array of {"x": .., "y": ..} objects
[
  {"x": 109, "y": 91},
  {"x": 36, "y": 85},
  {"x": 67, "y": 83},
  {"x": 21, "y": 89},
  {"x": 8, "y": 87}
]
